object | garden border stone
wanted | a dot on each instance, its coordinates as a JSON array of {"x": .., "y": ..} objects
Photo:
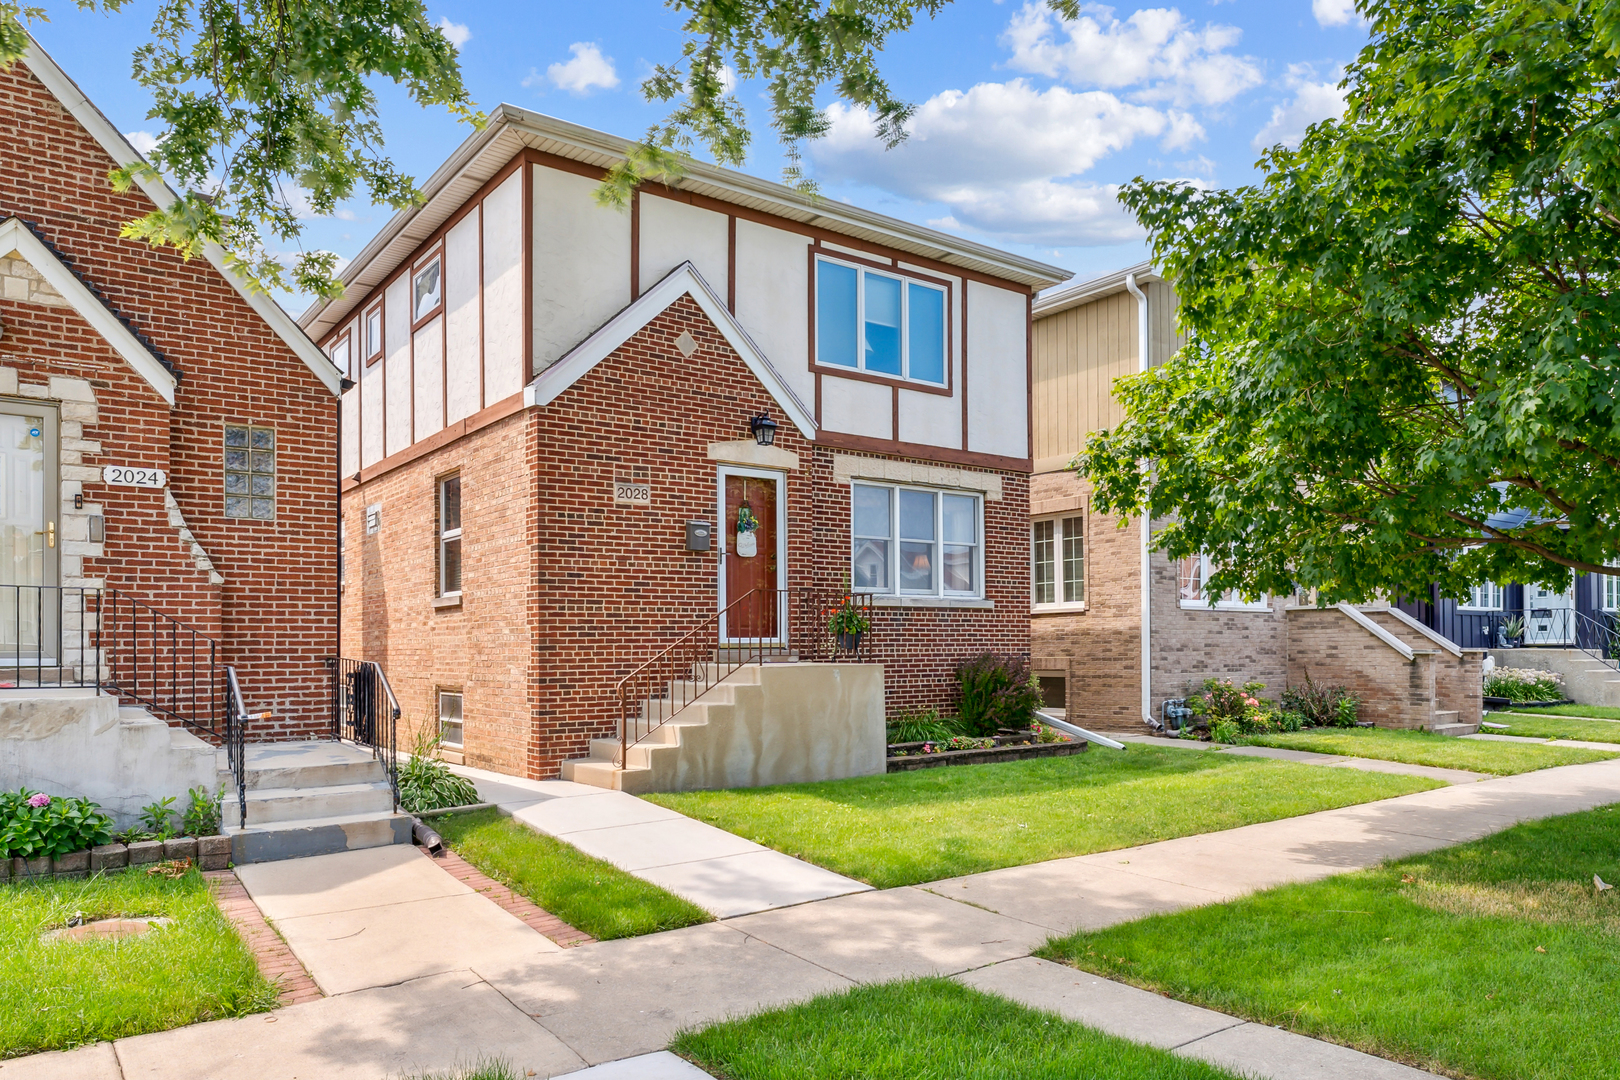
[
  {"x": 75, "y": 864},
  {"x": 1013, "y": 752},
  {"x": 181, "y": 847},
  {"x": 213, "y": 852},
  {"x": 143, "y": 852},
  {"x": 108, "y": 857}
]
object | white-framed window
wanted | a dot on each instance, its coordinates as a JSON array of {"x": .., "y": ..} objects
[
  {"x": 880, "y": 323},
  {"x": 374, "y": 334},
  {"x": 1058, "y": 562},
  {"x": 1194, "y": 572},
  {"x": 340, "y": 355},
  {"x": 450, "y": 730},
  {"x": 250, "y": 472},
  {"x": 1483, "y": 597},
  {"x": 1611, "y": 591},
  {"x": 915, "y": 541},
  {"x": 450, "y": 535},
  {"x": 425, "y": 290}
]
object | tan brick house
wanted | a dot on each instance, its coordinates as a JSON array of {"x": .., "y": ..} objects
[
  {"x": 1110, "y": 651},
  {"x": 550, "y": 397}
]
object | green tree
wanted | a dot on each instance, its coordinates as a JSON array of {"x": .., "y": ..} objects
[
  {"x": 265, "y": 112},
  {"x": 1404, "y": 364}
]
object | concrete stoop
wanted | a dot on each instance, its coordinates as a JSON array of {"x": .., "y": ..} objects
[
  {"x": 761, "y": 724},
  {"x": 1587, "y": 681},
  {"x": 311, "y": 798}
]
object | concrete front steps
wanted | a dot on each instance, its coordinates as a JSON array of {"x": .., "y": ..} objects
[
  {"x": 311, "y": 798},
  {"x": 1446, "y": 723},
  {"x": 772, "y": 723},
  {"x": 1588, "y": 681}
]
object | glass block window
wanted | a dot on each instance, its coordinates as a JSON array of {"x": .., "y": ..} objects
[
  {"x": 250, "y": 472},
  {"x": 450, "y": 731}
]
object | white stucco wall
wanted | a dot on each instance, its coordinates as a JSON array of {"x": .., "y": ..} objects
[
  {"x": 773, "y": 290},
  {"x": 997, "y": 367},
  {"x": 462, "y": 330},
  {"x": 931, "y": 419},
  {"x": 428, "y": 393},
  {"x": 676, "y": 232},
  {"x": 503, "y": 290},
  {"x": 581, "y": 263},
  {"x": 857, "y": 408},
  {"x": 397, "y": 350}
]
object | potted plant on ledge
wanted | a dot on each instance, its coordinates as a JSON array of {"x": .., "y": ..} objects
[{"x": 848, "y": 625}]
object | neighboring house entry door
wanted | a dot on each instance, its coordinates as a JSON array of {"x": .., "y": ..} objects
[
  {"x": 1549, "y": 617},
  {"x": 753, "y": 561},
  {"x": 30, "y": 607}
]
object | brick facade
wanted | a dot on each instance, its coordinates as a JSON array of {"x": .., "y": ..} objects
[
  {"x": 564, "y": 592},
  {"x": 266, "y": 591}
]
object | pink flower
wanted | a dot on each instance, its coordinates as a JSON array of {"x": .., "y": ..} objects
[{"x": 39, "y": 800}]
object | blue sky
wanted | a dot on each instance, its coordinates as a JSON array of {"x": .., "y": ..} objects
[{"x": 1026, "y": 125}]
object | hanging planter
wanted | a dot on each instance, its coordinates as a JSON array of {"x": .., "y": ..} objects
[{"x": 747, "y": 545}]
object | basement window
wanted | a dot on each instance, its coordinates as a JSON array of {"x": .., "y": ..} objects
[
  {"x": 250, "y": 472},
  {"x": 450, "y": 730}
]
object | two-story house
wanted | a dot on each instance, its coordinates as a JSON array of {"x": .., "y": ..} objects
[{"x": 577, "y": 434}]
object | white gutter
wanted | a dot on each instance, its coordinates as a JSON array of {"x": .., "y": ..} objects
[
  {"x": 1142, "y": 365},
  {"x": 1078, "y": 732}
]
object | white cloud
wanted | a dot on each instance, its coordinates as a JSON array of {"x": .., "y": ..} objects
[
  {"x": 457, "y": 33},
  {"x": 588, "y": 70},
  {"x": 1335, "y": 12},
  {"x": 144, "y": 142},
  {"x": 1312, "y": 101},
  {"x": 1001, "y": 158},
  {"x": 1158, "y": 54}
]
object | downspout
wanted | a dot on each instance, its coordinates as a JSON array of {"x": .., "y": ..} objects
[{"x": 1142, "y": 364}]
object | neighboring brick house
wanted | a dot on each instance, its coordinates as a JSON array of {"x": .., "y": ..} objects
[
  {"x": 1109, "y": 658},
  {"x": 138, "y": 392},
  {"x": 547, "y": 392}
]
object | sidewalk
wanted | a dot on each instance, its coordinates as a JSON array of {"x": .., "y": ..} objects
[
  {"x": 427, "y": 994},
  {"x": 1307, "y": 757}
]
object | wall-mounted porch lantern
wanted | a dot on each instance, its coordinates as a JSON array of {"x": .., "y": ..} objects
[{"x": 763, "y": 429}]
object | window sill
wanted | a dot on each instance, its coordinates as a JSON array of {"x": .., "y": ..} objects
[
  {"x": 1057, "y": 609},
  {"x": 1193, "y": 605},
  {"x": 881, "y": 600},
  {"x": 446, "y": 603}
]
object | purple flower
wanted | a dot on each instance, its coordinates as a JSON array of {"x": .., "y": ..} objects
[{"x": 39, "y": 800}]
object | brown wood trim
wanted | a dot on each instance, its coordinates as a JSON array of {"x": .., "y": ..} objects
[
  {"x": 474, "y": 200},
  {"x": 382, "y": 330},
  {"x": 635, "y": 245},
  {"x": 894, "y": 420},
  {"x": 478, "y": 420},
  {"x": 840, "y": 441},
  {"x": 562, "y": 164},
  {"x": 731, "y": 263},
  {"x": 815, "y": 233},
  {"x": 526, "y": 193},
  {"x": 810, "y": 356},
  {"x": 892, "y": 267},
  {"x": 438, "y": 309},
  {"x": 816, "y": 251}
]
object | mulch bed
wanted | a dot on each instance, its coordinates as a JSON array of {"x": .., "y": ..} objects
[
  {"x": 276, "y": 960},
  {"x": 1012, "y": 748}
]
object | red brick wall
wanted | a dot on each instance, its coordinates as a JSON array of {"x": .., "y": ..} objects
[
  {"x": 276, "y": 612},
  {"x": 607, "y": 587}
]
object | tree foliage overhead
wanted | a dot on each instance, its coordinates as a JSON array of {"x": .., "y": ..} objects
[{"x": 1404, "y": 364}]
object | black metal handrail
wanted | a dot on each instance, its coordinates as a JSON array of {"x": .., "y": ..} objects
[
  {"x": 761, "y": 625},
  {"x": 366, "y": 712},
  {"x": 39, "y": 626},
  {"x": 236, "y": 719},
  {"x": 1553, "y": 628}
]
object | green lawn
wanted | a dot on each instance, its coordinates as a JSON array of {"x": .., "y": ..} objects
[
  {"x": 1595, "y": 712},
  {"x": 59, "y": 994},
  {"x": 924, "y": 1029},
  {"x": 1495, "y": 959},
  {"x": 910, "y": 827},
  {"x": 586, "y": 893},
  {"x": 1555, "y": 727},
  {"x": 1421, "y": 748}
]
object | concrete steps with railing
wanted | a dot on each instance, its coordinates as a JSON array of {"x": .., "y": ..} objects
[{"x": 311, "y": 798}]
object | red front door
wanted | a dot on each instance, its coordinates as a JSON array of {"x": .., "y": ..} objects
[{"x": 750, "y": 572}]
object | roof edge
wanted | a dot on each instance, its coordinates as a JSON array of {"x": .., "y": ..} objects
[{"x": 1093, "y": 289}]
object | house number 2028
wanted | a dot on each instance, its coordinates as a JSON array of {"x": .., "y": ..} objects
[
  {"x": 632, "y": 493},
  {"x": 130, "y": 476}
]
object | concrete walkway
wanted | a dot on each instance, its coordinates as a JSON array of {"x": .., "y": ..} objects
[
  {"x": 1306, "y": 757},
  {"x": 426, "y": 996},
  {"x": 1584, "y": 744}
]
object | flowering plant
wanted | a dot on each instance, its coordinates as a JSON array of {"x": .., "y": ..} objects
[
  {"x": 746, "y": 521},
  {"x": 32, "y": 824}
]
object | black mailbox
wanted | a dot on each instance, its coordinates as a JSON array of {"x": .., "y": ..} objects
[{"x": 699, "y": 536}]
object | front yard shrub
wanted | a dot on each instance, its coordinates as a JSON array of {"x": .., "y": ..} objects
[
  {"x": 1320, "y": 705},
  {"x": 202, "y": 816},
  {"x": 924, "y": 725},
  {"x": 426, "y": 783},
  {"x": 33, "y": 824},
  {"x": 996, "y": 692},
  {"x": 1524, "y": 684}
]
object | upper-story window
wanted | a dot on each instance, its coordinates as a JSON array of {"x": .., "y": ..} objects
[
  {"x": 450, "y": 536},
  {"x": 425, "y": 291},
  {"x": 1484, "y": 597},
  {"x": 374, "y": 334},
  {"x": 250, "y": 472},
  {"x": 340, "y": 355},
  {"x": 1058, "y": 562},
  {"x": 879, "y": 323},
  {"x": 1195, "y": 572},
  {"x": 915, "y": 541}
]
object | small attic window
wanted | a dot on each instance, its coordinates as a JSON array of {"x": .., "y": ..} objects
[
  {"x": 374, "y": 334},
  {"x": 426, "y": 291},
  {"x": 250, "y": 472}
]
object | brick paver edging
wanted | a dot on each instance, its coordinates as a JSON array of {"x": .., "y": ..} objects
[
  {"x": 276, "y": 960},
  {"x": 513, "y": 903}
]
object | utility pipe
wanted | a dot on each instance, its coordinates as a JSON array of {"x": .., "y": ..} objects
[{"x": 1142, "y": 364}]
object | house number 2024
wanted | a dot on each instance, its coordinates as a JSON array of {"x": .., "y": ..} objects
[
  {"x": 632, "y": 493},
  {"x": 130, "y": 476}
]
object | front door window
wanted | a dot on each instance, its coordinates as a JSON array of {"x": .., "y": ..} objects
[{"x": 1549, "y": 615}]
